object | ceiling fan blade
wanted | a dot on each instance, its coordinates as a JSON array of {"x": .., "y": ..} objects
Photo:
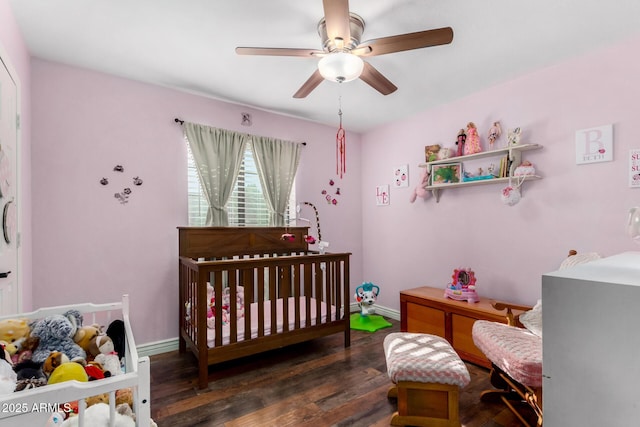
[
  {"x": 313, "y": 82},
  {"x": 277, "y": 51},
  {"x": 373, "y": 78},
  {"x": 336, "y": 16},
  {"x": 408, "y": 41}
]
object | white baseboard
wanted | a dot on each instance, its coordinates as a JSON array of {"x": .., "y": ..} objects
[
  {"x": 171, "y": 344},
  {"x": 158, "y": 347}
]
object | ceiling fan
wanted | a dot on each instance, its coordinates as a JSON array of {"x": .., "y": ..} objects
[{"x": 342, "y": 52}]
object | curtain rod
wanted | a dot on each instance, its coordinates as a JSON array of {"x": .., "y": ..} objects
[{"x": 177, "y": 120}]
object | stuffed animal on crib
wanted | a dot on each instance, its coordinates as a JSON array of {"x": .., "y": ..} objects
[
  {"x": 8, "y": 377},
  {"x": 226, "y": 301},
  {"x": 97, "y": 415},
  {"x": 58, "y": 369},
  {"x": 56, "y": 333},
  {"x": 211, "y": 316},
  {"x": 85, "y": 334},
  {"x": 366, "y": 296},
  {"x": 100, "y": 344},
  {"x": 14, "y": 332}
]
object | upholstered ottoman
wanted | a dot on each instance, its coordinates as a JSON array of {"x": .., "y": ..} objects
[{"x": 427, "y": 373}]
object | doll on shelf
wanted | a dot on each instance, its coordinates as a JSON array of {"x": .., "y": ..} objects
[
  {"x": 494, "y": 133},
  {"x": 462, "y": 137},
  {"x": 472, "y": 144}
]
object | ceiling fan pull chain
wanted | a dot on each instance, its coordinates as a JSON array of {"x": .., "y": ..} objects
[{"x": 341, "y": 145}]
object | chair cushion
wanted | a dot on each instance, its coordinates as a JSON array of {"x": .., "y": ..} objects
[
  {"x": 516, "y": 351},
  {"x": 423, "y": 358},
  {"x": 532, "y": 319}
]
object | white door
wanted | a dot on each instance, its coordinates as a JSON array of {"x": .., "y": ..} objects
[{"x": 9, "y": 289}]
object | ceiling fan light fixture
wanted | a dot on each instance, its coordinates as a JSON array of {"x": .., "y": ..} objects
[{"x": 341, "y": 67}]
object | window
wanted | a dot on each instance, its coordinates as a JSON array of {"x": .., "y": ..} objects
[{"x": 246, "y": 206}]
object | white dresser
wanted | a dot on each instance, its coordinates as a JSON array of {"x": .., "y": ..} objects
[{"x": 591, "y": 343}]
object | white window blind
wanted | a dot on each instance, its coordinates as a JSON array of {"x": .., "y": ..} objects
[{"x": 246, "y": 206}]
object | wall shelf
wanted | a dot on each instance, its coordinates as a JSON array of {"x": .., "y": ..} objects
[{"x": 515, "y": 155}]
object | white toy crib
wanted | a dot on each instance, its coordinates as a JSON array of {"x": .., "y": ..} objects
[{"x": 35, "y": 407}]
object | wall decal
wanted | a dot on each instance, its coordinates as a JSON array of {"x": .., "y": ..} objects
[
  {"x": 382, "y": 195},
  {"x": 401, "y": 176},
  {"x": 328, "y": 197},
  {"x": 594, "y": 145},
  {"x": 122, "y": 196},
  {"x": 634, "y": 168}
]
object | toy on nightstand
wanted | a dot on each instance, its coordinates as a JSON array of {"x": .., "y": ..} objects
[{"x": 463, "y": 286}]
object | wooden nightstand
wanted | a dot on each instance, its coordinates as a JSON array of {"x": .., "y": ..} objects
[{"x": 427, "y": 310}]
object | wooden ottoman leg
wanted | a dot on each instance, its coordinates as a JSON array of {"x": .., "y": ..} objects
[
  {"x": 426, "y": 404},
  {"x": 392, "y": 393}
]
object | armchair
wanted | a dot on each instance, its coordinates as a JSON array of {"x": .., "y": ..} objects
[{"x": 515, "y": 352}]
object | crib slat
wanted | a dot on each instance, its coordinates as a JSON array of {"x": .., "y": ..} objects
[
  {"x": 260, "y": 279},
  {"x": 285, "y": 286},
  {"x": 318, "y": 292},
  {"x": 297, "y": 273},
  {"x": 308, "y": 294},
  {"x": 217, "y": 286},
  {"x": 273, "y": 298}
]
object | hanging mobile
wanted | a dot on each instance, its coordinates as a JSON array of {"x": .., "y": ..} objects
[{"x": 341, "y": 145}]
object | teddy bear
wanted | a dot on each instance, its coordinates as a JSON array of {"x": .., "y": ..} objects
[
  {"x": 419, "y": 191},
  {"x": 56, "y": 333},
  {"x": 85, "y": 334}
]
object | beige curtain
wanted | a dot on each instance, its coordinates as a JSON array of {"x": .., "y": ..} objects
[
  {"x": 277, "y": 162},
  {"x": 218, "y": 155}
]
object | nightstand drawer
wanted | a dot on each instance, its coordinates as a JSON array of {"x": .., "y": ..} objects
[{"x": 425, "y": 319}]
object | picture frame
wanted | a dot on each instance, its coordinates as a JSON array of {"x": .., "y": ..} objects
[
  {"x": 445, "y": 174},
  {"x": 382, "y": 195}
]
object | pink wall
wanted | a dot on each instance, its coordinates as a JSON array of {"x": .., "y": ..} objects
[
  {"x": 580, "y": 207},
  {"x": 12, "y": 45},
  {"x": 87, "y": 246}
]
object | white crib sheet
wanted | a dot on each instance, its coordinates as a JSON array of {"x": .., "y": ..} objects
[{"x": 211, "y": 333}]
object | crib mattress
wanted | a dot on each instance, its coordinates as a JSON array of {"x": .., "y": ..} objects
[{"x": 211, "y": 333}]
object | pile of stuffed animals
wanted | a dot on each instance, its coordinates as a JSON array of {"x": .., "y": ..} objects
[
  {"x": 226, "y": 305},
  {"x": 60, "y": 348}
]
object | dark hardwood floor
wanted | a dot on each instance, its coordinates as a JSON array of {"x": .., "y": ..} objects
[{"x": 319, "y": 383}]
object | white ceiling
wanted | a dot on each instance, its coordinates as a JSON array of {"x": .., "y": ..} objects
[{"x": 189, "y": 45}]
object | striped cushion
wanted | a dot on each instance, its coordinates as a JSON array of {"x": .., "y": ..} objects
[
  {"x": 516, "y": 351},
  {"x": 423, "y": 358}
]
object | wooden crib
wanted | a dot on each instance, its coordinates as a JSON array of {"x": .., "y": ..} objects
[{"x": 278, "y": 292}]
